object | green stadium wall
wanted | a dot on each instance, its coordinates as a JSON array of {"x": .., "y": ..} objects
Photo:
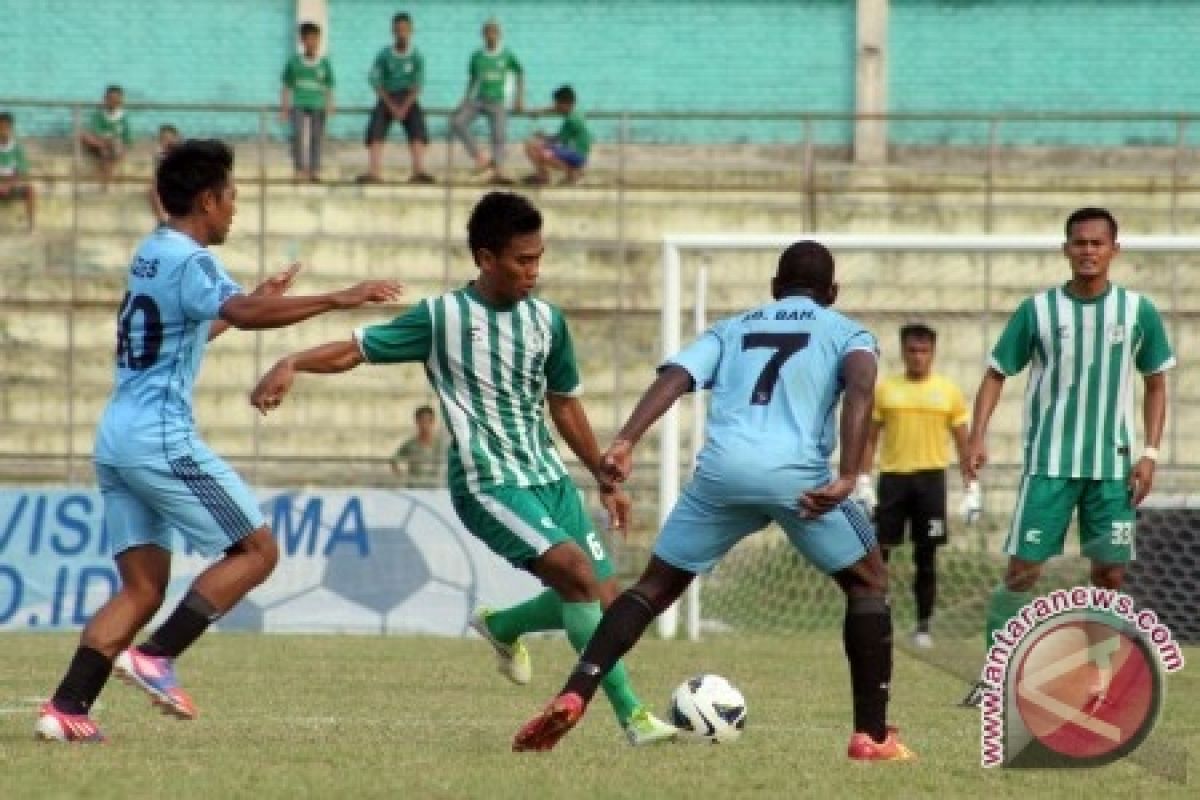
[{"x": 638, "y": 55}]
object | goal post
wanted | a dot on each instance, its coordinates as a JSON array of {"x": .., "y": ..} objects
[{"x": 673, "y": 320}]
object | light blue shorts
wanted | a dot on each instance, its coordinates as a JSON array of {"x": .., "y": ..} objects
[
  {"x": 199, "y": 495},
  {"x": 702, "y": 528}
]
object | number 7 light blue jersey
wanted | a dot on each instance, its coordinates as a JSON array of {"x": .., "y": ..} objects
[
  {"x": 175, "y": 290},
  {"x": 775, "y": 376}
]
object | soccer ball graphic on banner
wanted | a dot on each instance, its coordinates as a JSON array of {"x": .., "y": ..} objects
[{"x": 708, "y": 708}]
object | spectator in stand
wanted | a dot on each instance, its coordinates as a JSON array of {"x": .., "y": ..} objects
[
  {"x": 107, "y": 134},
  {"x": 488, "y": 73},
  {"x": 14, "y": 170},
  {"x": 168, "y": 138},
  {"x": 397, "y": 77},
  {"x": 567, "y": 150},
  {"x": 307, "y": 98},
  {"x": 420, "y": 462}
]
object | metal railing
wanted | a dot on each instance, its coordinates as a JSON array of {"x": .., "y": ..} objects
[{"x": 648, "y": 152}]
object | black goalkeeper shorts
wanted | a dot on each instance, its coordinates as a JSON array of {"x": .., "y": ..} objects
[{"x": 912, "y": 500}]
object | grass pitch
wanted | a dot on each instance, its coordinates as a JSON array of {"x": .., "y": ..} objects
[{"x": 354, "y": 717}]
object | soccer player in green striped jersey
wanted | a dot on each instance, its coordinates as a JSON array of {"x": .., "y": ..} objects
[
  {"x": 1084, "y": 340},
  {"x": 496, "y": 356}
]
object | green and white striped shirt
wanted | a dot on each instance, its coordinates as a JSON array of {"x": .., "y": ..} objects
[
  {"x": 1078, "y": 414},
  {"x": 491, "y": 367}
]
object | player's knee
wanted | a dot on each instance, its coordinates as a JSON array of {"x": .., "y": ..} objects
[
  {"x": 146, "y": 595},
  {"x": 1022, "y": 579},
  {"x": 262, "y": 550},
  {"x": 654, "y": 597},
  {"x": 566, "y": 570}
]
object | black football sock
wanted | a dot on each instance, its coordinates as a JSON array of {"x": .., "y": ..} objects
[
  {"x": 623, "y": 624},
  {"x": 867, "y": 635},
  {"x": 85, "y": 678},
  {"x": 925, "y": 584},
  {"x": 182, "y": 628}
]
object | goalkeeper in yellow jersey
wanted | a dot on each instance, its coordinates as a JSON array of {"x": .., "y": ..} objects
[{"x": 914, "y": 411}]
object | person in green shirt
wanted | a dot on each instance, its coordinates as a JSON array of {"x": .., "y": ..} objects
[
  {"x": 487, "y": 73},
  {"x": 567, "y": 150},
  {"x": 1084, "y": 341},
  {"x": 107, "y": 135},
  {"x": 307, "y": 98},
  {"x": 397, "y": 77},
  {"x": 14, "y": 170},
  {"x": 421, "y": 461},
  {"x": 501, "y": 359}
]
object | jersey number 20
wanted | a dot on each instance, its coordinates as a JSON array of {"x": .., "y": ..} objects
[
  {"x": 152, "y": 332},
  {"x": 785, "y": 346}
]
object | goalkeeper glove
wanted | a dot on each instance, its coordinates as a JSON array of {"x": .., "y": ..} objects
[
  {"x": 864, "y": 494},
  {"x": 972, "y": 503}
]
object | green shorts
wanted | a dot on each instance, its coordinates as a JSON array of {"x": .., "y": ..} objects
[
  {"x": 521, "y": 524},
  {"x": 1044, "y": 509}
]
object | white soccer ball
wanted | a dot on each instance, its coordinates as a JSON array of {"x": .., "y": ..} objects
[{"x": 708, "y": 709}]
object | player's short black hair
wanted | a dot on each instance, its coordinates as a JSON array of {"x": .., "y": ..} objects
[
  {"x": 805, "y": 265},
  {"x": 167, "y": 127},
  {"x": 192, "y": 167},
  {"x": 564, "y": 94},
  {"x": 917, "y": 330},
  {"x": 497, "y": 218},
  {"x": 113, "y": 88},
  {"x": 309, "y": 27},
  {"x": 403, "y": 16},
  {"x": 6, "y": 116},
  {"x": 1089, "y": 213},
  {"x": 426, "y": 409}
]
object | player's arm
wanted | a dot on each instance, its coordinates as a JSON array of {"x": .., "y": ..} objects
[
  {"x": 959, "y": 434},
  {"x": 864, "y": 487},
  {"x": 858, "y": 376},
  {"x": 324, "y": 359},
  {"x": 1154, "y": 419},
  {"x": 258, "y": 312},
  {"x": 672, "y": 383},
  {"x": 571, "y": 421},
  {"x": 986, "y": 400},
  {"x": 274, "y": 286}
]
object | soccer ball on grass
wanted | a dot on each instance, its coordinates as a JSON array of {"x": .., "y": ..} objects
[{"x": 708, "y": 709}]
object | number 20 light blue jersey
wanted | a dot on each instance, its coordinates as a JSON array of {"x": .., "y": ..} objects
[
  {"x": 175, "y": 290},
  {"x": 775, "y": 377}
]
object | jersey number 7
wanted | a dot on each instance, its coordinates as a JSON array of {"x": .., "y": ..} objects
[{"x": 785, "y": 346}]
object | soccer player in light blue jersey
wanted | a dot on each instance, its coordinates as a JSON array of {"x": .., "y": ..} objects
[
  {"x": 155, "y": 473},
  {"x": 776, "y": 374}
]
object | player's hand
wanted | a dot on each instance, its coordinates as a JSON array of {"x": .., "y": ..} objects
[
  {"x": 278, "y": 283},
  {"x": 273, "y": 387},
  {"x": 864, "y": 494},
  {"x": 399, "y": 112},
  {"x": 824, "y": 499},
  {"x": 619, "y": 508},
  {"x": 617, "y": 462},
  {"x": 971, "y": 506},
  {"x": 283, "y": 115},
  {"x": 977, "y": 458},
  {"x": 1141, "y": 480},
  {"x": 367, "y": 292}
]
